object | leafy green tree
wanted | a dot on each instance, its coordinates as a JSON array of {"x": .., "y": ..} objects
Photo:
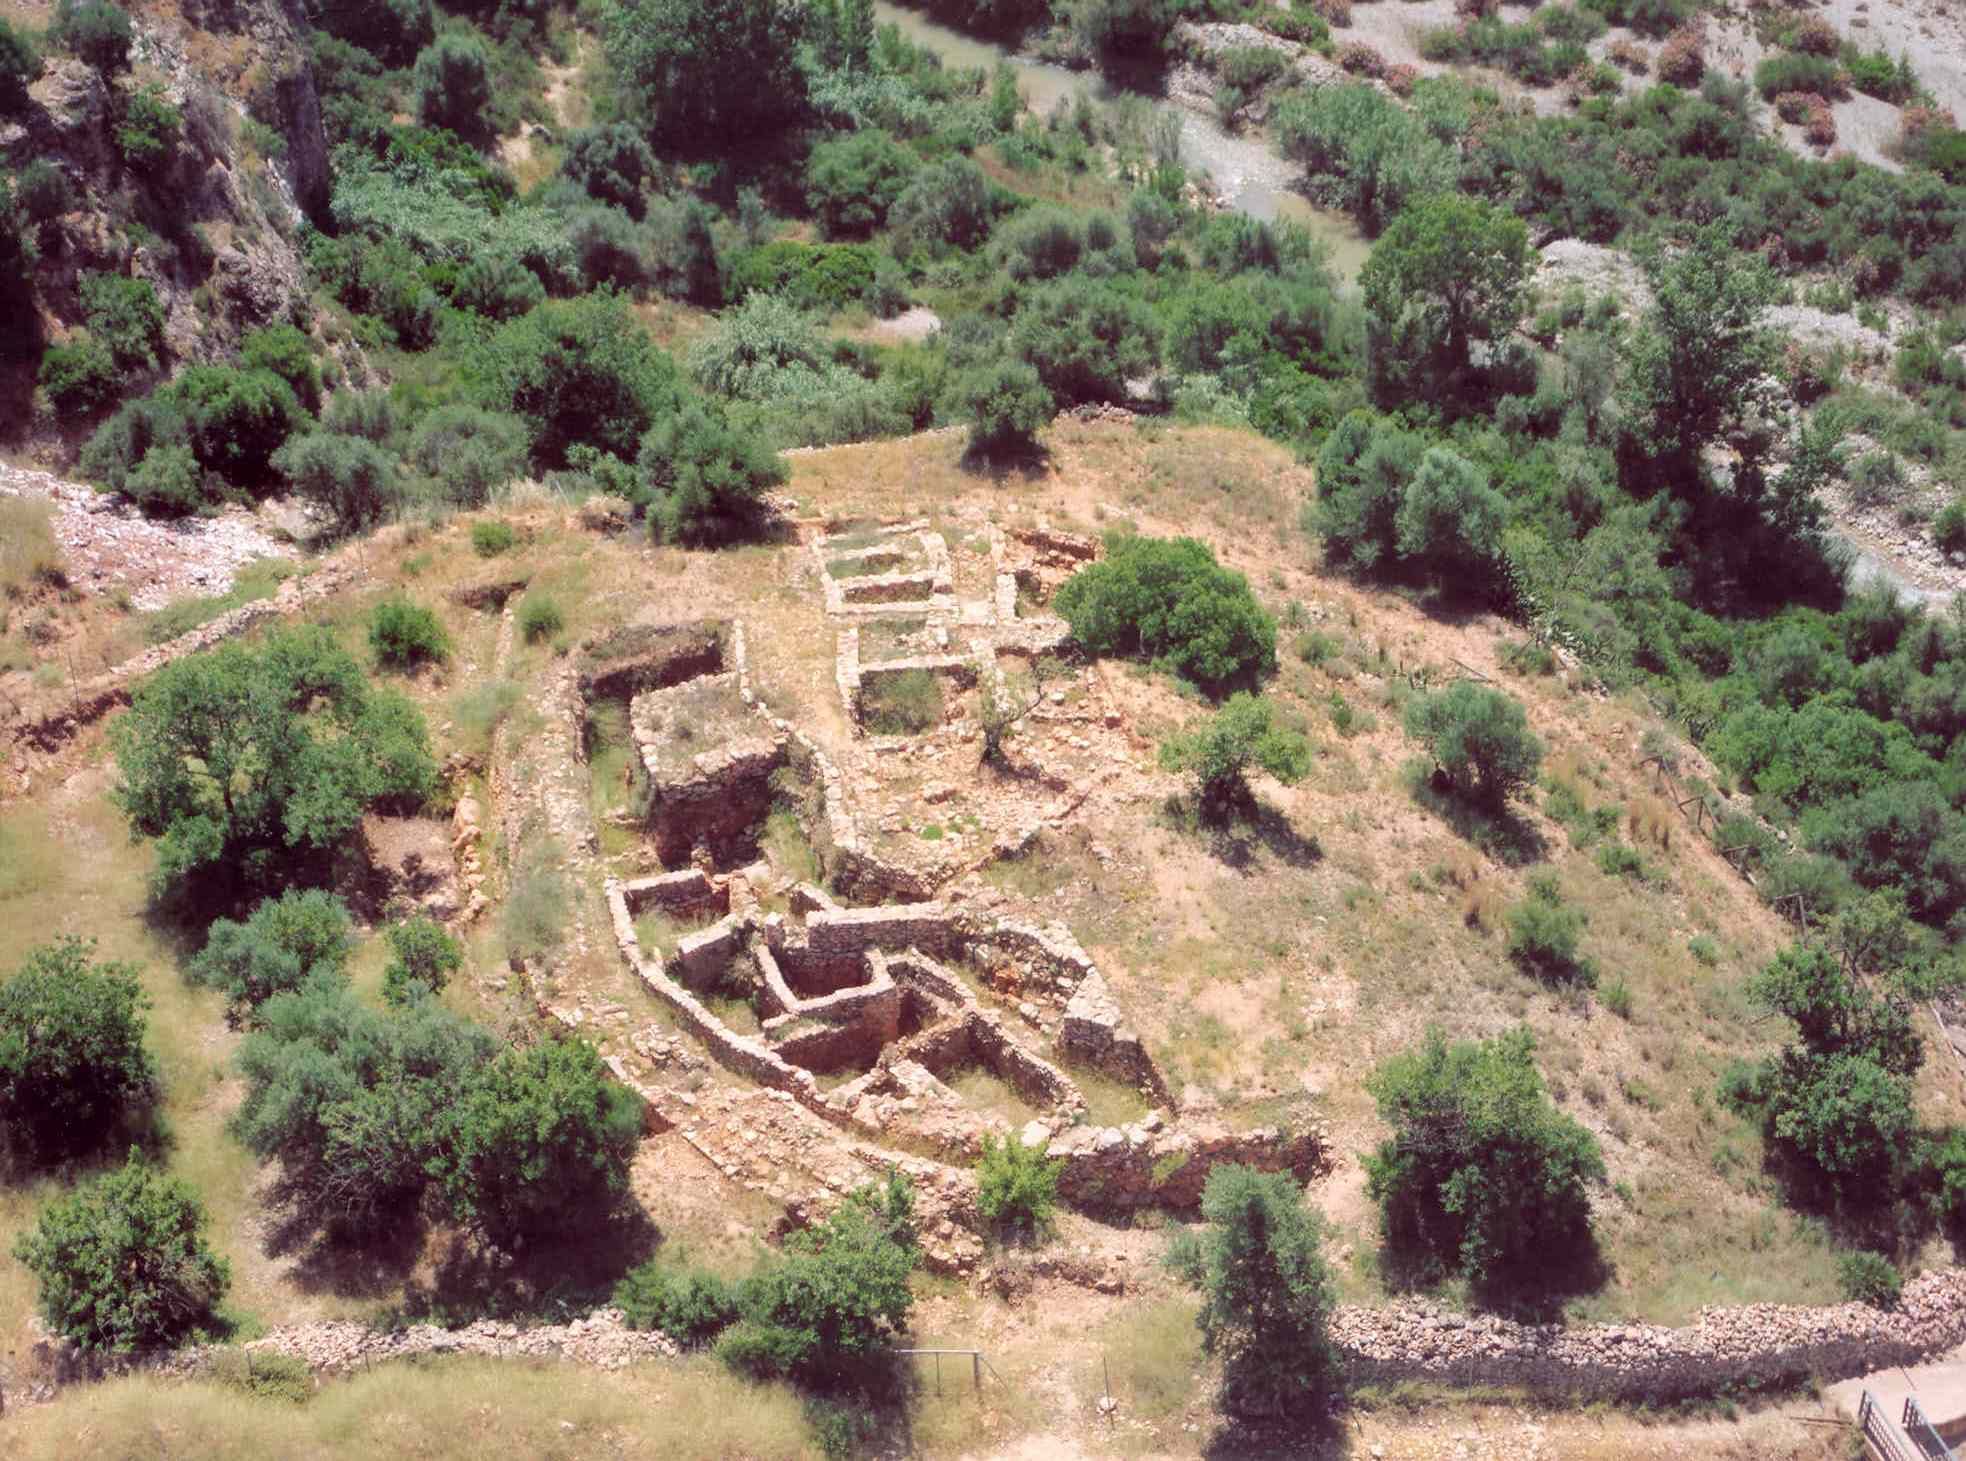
[
  {"x": 1701, "y": 361},
  {"x": 1363, "y": 470},
  {"x": 674, "y": 62},
  {"x": 612, "y": 163},
  {"x": 97, "y": 32},
  {"x": 1167, "y": 600},
  {"x": 537, "y": 1136},
  {"x": 356, "y": 1104},
  {"x": 452, "y": 80},
  {"x": 1086, "y": 339},
  {"x": 1449, "y": 272},
  {"x": 1016, "y": 1186},
  {"x": 1006, "y": 403},
  {"x": 1267, "y": 1292},
  {"x": 422, "y": 958},
  {"x": 948, "y": 204},
  {"x": 578, "y": 372},
  {"x": 287, "y": 351},
  {"x": 303, "y": 934},
  {"x": 834, "y": 1303},
  {"x": 1480, "y": 739},
  {"x": 1241, "y": 734},
  {"x": 72, "y": 1058},
  {"x": 1482, "y": 1175},
  {"x": 705, "y": 478},
  {"x": 1381, "y": 154},
  {"x": 122, "y": 1262},
  {"x": 126, "y": 316},
  {"x": 1450, "y": 520},
  {"x": 852, "y": 181},
  {"x": 243, "y": 759},
  {"x": 1904, "y": 836},
  {"x": 20, "y": 65},
  {"x": 238, "y": 419},
  {"x": 354, "y": 479}
]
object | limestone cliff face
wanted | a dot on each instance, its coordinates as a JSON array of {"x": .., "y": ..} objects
[{"x": 213, "y": 227}]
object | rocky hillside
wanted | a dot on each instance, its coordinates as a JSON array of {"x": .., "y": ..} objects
[{"x": 207, "y": 210}]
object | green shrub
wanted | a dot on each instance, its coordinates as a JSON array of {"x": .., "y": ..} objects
[
  {"x": 1544, "y": 933},
  {"x": 126, "y": 316},
  {"x": 1949, "y": 526},
  {"x": 452, "y": 83},
  {"x": 237, "y": 419},
  {"x": 852, "y": 181},
  {"x": 1267, "y": 1292},
  {"x": 1480, "y": 739},
  {"x": 149, "y": 129},
  {"x": 287, "y": 351},
  {"x": 823, "y": 277},
  {"x": 351, "y": 477},
  {"x": 704, "y": 477},
  {"x": 73, "y": 1064},
  {"x": 1482, "y": 1175},
  {"x": 1167, "y": 601},
  {"x": 1016, "y": 1186},
  {"x": 283, "y": 943},
  {"x": 540, "y": 618},
  {"x": 491, "y": 536},
  {"x": 96, "y": 32},
  {"x": 541, "y": 1133},
  {"x": 1703, "y": 949},
  {"x": 1875, "y": 74},
  {"x": 1617, "y": 998},
  {"x": 167, "y": 481},
  {"x": 1241, "y": 734},
  {"x": 422, "y": 958},
  {"x": 611, "y": 163},
  {"x": 1006, "y": 403},
  {"x": 579, "y": 371},
  {"x": 949, "y": 204},
  {"x": 42, "y": 189},
  {"x": 1870, "y": 1278},
  {"x": 405, "y": 635},
  {"x": 19, "y": 66},
  {"x": 470, "y": 454},
  {"x": 1788, "y": 71},
  {"x": 122, "y": 1263},
  {"x": 80, "y": 377},
  {"x": 690, "y": 1305},
  {"x": 834, "y": 1302}
]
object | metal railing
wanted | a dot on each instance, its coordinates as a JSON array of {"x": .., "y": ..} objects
[
  {"x": 1886, "y": 1438},
  {"x": 1923, "y": 1434}
]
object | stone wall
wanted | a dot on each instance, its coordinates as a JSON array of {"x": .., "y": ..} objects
[
  {"x": 1755, "y": 1345},
  {"x": 633, "y": 661},
  {"x": 1150, "y": 1164},
  {"x": 926, "y": 926},
  {"x": 1094, "y": 1033}
]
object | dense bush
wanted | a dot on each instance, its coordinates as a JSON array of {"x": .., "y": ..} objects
[
  {"x": 352, "y": 478},
  {"x": 96, "y": 31},
  {"x": 1870, "y": 1278},
  {"x": 1384, "y": 154},
  {"x": 1787, "y": 72},
  {"x": 1242, "y": 734},
  {"x": 1167, "y": 600},
  {"x": 703, "y": 479},
  {"x": 80, "y": 377},
  {"x": 72, "y": 1059},
  {"x": 690, "y": 1305},
  {"x": 1482, "y": 1175},
  {"x": 578, "y": 372},
  {"x": 852, "y": 181},
  {"x": 948, "y": 204},
  {"x": 122, "y": 1263},
  {"x": 287, "y": 351},
  {"x": 1479, "y": 738},
  {"x": 237, "y": 419},
  {"x": 405, "y": 635},
  {"x": 674, "y": 61},
  {"x": 1016, "y": 1186},
  {"x": 148, "y": 130},
  {"x": 1086, "y": 340},
  {"x": 470, "y": 453},
  {"x": 1449, "y": 522},
  {"x": 355, "y": 1104},
  {"x": 391, "y": 30},
  {"x": 1448, "y": 274},
  {"x": 540, "y": 617},
  {"x": 422, "y": 958},
  {"x": 1267, "y": 1292},
  {"x": 541, "y": 1133},
  {"x": 833, "y": 1303},
  {"x": 1006, "y": 403},
  {"x": 244, "y": 760},
  {"x": 807, "y": 276},
  {"x": 452, "y": 81},
  {"x": 19, "y": 65},
  {"x": 282, "y": 944},
  {"x": 611, "y": 163},
  {"x": 125, "y": 315},
  {"x": 1544, "y": 933}
]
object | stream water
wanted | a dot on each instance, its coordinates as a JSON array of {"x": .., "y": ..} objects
[{"x": 1245, "y": 172}]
